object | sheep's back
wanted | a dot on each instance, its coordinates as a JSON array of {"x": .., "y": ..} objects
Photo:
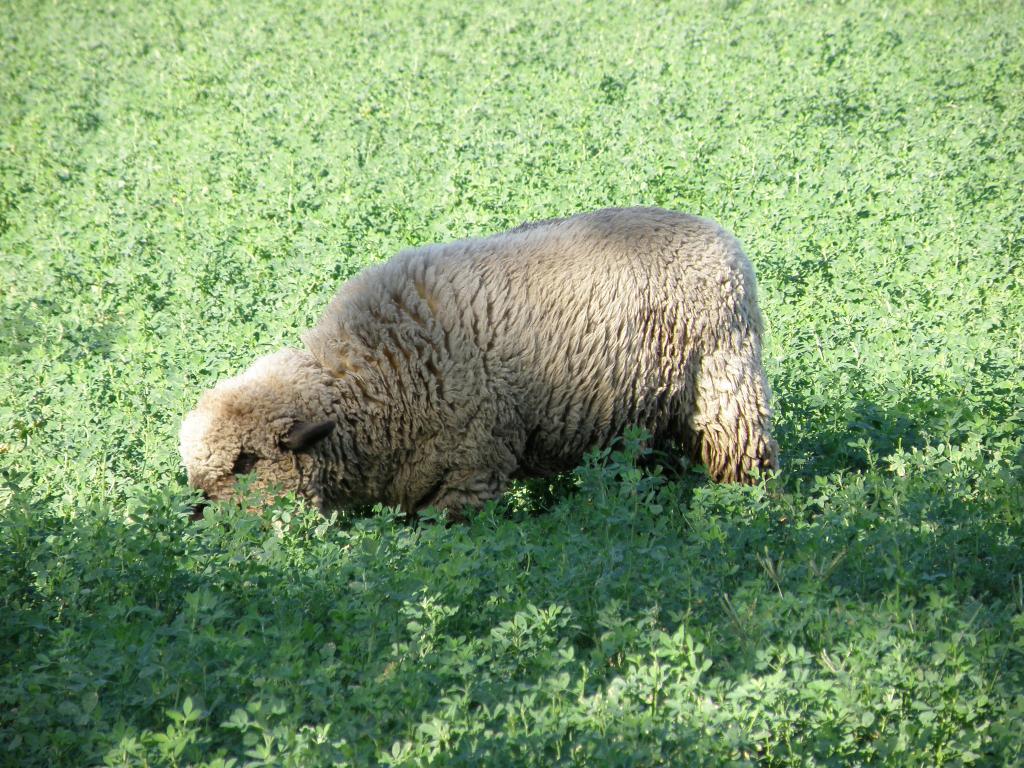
[{"x": 577, "y": 327}]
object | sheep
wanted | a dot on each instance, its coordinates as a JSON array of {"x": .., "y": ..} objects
[{"x": 435, "y": 378}]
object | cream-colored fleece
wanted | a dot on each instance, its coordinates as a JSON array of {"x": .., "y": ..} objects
[{"x": 434, "y": 378}]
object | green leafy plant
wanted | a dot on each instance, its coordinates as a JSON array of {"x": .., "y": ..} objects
[{"x": 184, "y": 186}]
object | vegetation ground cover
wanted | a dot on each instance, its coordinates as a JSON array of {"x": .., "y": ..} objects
[{"x": 184, "y": 185}]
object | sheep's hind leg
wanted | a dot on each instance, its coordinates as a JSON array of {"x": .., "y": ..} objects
[{"x": 733, "y": 418}]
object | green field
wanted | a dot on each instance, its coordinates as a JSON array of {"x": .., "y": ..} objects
[{"x": 183, "y": 186}]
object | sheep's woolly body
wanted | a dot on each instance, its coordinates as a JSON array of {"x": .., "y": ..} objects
[{"x": 452, "y": 368}]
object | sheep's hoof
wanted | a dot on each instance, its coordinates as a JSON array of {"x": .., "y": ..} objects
[{"x": 456, "y": 518}]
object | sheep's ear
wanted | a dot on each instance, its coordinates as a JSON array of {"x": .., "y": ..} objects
[{"x": 304, "y": 435}]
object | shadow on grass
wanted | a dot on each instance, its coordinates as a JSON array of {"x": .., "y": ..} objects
[
  {"x": 819, "y": 436},
  {"x": 516, "y": 634}
]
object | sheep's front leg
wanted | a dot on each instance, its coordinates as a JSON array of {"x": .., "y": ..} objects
[{"x": 468, "y": 491}]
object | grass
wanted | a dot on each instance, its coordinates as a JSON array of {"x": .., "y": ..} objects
[{"x": 183, "y": 186}]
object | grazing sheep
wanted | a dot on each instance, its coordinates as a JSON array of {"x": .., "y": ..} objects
[{"x": 436, "y": 377}]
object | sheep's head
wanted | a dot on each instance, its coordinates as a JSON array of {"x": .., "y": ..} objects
[{"x": 269, "y": 423}]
